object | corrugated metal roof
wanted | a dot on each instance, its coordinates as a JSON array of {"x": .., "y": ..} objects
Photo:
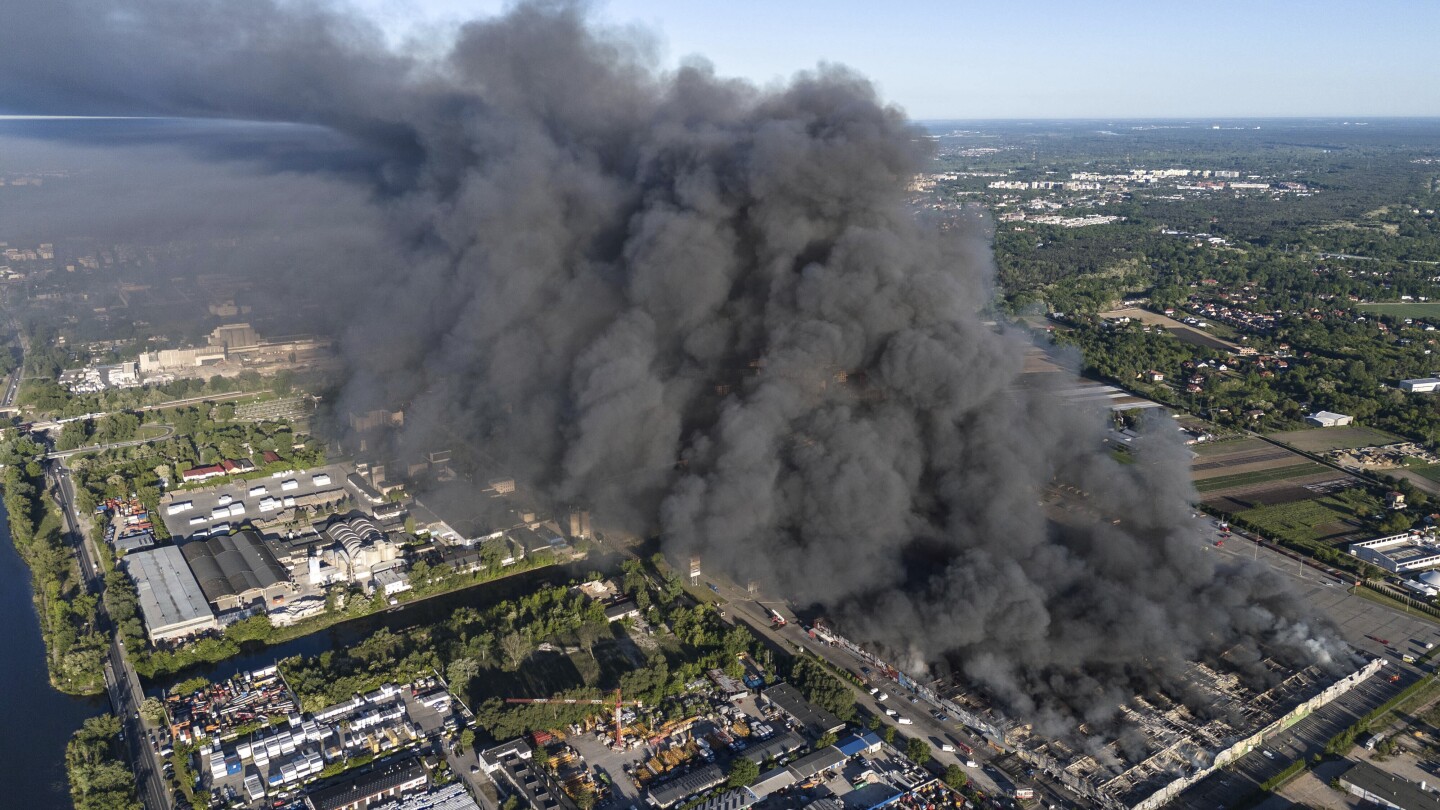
[
  {"x": 233, "y": 564},
  {"x": 169, "y": 594},
  {"x": 668, "y": 793}
]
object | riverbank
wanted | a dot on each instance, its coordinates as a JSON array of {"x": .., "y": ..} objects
[
  {"x": 67, "y": 611},
  {"x": 35, "y": 757}
]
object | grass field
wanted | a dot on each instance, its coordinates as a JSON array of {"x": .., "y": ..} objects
[
  {"x": 1319, "y": 440},
  {"x": 1404, "y": 309},
  {"x": 1431, "y": 472},
  {"x": 1258, "y": 477},
  {"x": 1309, "y": 522}
]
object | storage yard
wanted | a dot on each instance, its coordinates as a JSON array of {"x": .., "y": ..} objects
[
  {"x": 688, "y": 767},
  {"x": 251, "y": 744},
  {"x": 220, "y": 710}
]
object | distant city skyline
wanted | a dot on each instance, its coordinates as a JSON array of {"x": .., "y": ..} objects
[{"x": 1047, "y": 59}]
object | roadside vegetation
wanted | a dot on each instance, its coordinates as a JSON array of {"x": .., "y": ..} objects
[
  {"x": 99, "y": 777},
  {"x": 75, "y": 645}
]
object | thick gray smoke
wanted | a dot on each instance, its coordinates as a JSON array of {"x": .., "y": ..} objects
[{"x": 704, "y": 309}]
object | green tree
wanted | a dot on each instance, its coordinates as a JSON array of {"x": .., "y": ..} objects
[
  {"x": 956, "y": 777},
  {"x": 917, "y": 750},
  {"x": 743, "y": 772},
  {"x": 152, "y": 710},
  {"x": 515, "y": 647}
]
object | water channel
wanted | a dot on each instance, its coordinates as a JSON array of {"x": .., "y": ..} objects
[{"x": 351, "y": 632}]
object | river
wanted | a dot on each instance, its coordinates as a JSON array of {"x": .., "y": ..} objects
[{"x": 38, "y": 719}]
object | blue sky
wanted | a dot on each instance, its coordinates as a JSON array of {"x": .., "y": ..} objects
[{"x": 1044, "y": 58}]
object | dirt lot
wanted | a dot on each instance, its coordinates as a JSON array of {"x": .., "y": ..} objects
[
  {"x": 1319, "y": 440},
  {"x": 1189, "y": 334}
]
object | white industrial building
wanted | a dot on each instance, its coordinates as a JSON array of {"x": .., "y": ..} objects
[
  {"x": 359, "y": 552},
  {"x": 1329, "y": 419},
  {"x": 1424, "y": 385},
  {"x": 171, "y": 600},
  {"x": 1426, "y": 584},
  {"x": 1399, "y": 552}
]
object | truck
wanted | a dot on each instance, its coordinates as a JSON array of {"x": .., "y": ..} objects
[{"x": 776, "y": 620}]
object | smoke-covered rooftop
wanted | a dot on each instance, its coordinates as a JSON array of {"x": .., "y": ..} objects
[{"x": 701, "y": 307}]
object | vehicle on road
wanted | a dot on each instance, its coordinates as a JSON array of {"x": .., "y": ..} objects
[
  {"x": 881, "y": 696},
  {"x": 712, "y": 587},
  {"x": 904, "y": 721},
  {"x": 1267, "y": 753},
  {"x": 892, "y": 713}
]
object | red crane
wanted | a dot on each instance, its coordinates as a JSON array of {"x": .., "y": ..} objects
[{"x": 619, "y": 724}]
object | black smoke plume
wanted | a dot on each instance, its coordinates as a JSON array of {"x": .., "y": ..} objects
[{"x": 705, "y": 309}]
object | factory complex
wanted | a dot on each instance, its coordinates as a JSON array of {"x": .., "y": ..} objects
[{"x": 274, "y": 545}]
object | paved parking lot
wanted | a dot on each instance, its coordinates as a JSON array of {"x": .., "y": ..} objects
[
  {"x": 1362, "y": 623},
  {"x": 205, "y": 501}
]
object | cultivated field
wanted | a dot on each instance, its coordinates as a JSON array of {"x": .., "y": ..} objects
[
  {"x": 1404, "y": 309},
  {"x": 1320, "y": 440},
  {"x": 1243, "y": 474},
  {"x": 1325, "y": 520}
]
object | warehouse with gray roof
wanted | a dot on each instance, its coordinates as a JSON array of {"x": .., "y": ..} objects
[
  {"x": 237, "y": 570},
  {"x": 171, "y": 600}
]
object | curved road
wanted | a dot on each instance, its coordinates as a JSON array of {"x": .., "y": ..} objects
[{"x": 100, "y": 448}]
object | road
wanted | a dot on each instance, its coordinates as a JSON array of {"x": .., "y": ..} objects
[
  {"x": 739, "y": 604},
  {"x": 121, "y": 681},
  {"x": 12, "y": 386},
  {"x": 100, "y": 448}
]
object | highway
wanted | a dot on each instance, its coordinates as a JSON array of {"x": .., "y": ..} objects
[{"x": 121, "y": 681}]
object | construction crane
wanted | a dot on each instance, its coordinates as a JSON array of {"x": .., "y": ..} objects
[{"x": 619, "y": 725}]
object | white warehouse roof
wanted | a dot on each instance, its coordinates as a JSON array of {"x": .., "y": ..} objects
[{"x": 170, "y": 597}]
